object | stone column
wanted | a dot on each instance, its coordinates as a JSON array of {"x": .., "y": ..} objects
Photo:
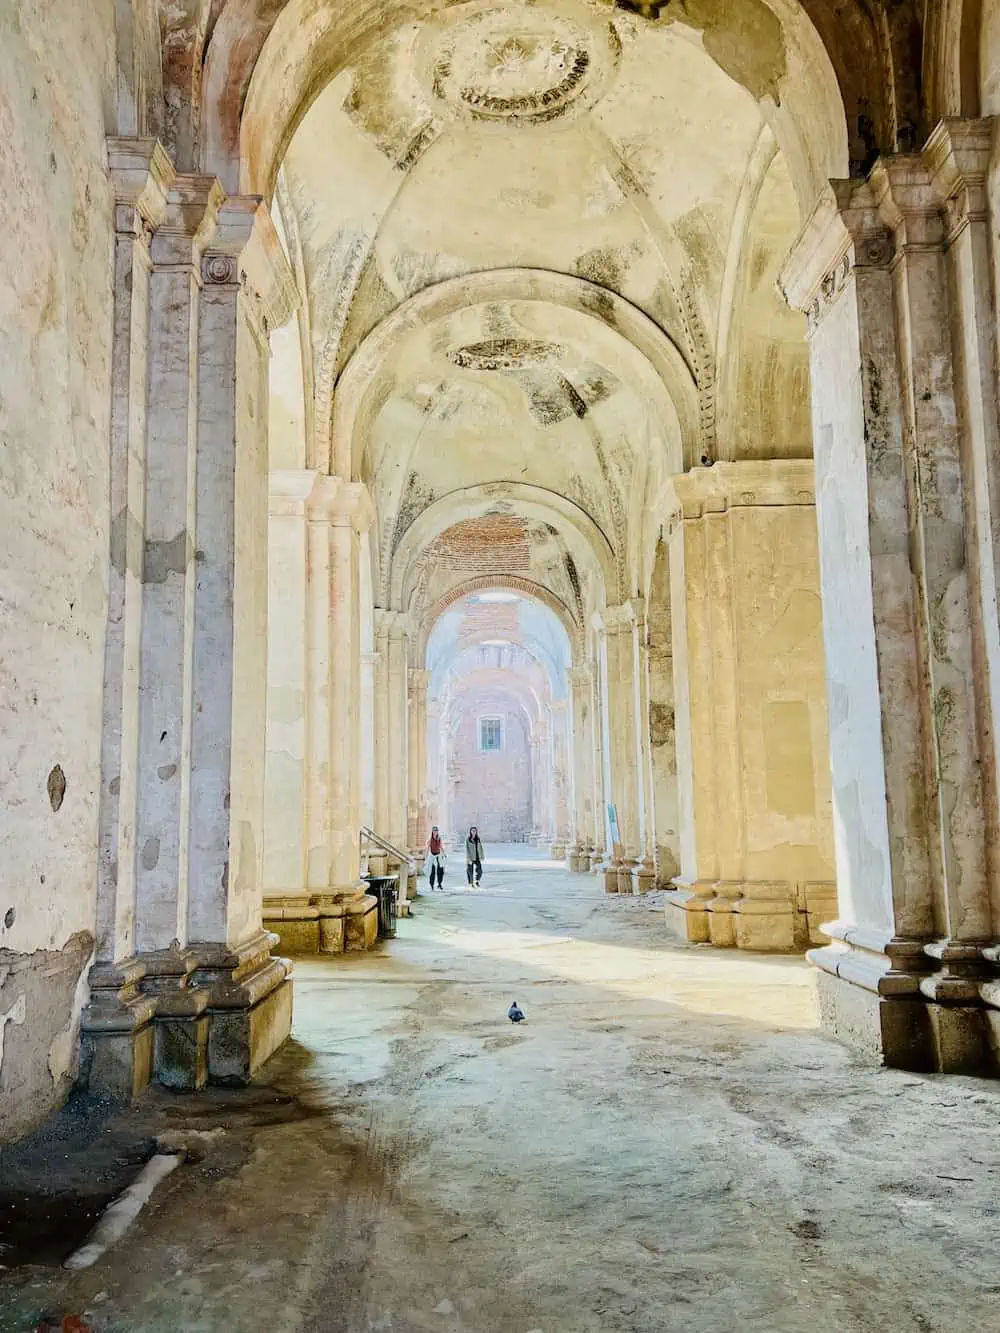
[
  {"x": 382, "y": 622},
  {"x": 662, "y": 745},
  {"x": 202, "y": 969},
  {"x": 391, "y": 729},
  {"x": 417, "y": 758},
  {"x": 582, "y": 763},
  {"x": 369, "y": 664},
  {"x": 621, "y": 761},
  {"x": 598, "y": 731},
  {"x": 560, "y": 779},
  {"x": 141, "y": 175},
  {"x": 894, "y": 274},
  {"x": 541, "y": 803},
  {"x": 288, "y": 910},
  {"x": 435, "y": 768},
  {"x": 644, "y": 874},
  {"x": 753, "y": 789}
]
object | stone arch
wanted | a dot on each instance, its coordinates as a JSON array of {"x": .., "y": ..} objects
[
  {"x": 508, "y": 582},
  {"x": 667, "y": 378},
  {"x": 575, "y": 523}
]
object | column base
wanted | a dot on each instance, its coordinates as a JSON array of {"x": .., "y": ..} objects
[
  {"x": 343, "y": 920},
  {"x": 578, "y": 859},
  {"x": 761, "y": 916},
  {"x": 873, "y": 1002},
  {"x": 610, "y": 872},
  {"x": 625, "y": 870},
  {"x": 686, "y": 910},
  {"x": 294, "y": 918},
  {"x": 643, "y": 877},
  {"x": 184, "y": 1018},
  {"x": 557, "y": 851}
]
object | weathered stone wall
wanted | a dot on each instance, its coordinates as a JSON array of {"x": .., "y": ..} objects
[
  {"x": 57, "y": 93},
  {"x": 493, "y": 789}
]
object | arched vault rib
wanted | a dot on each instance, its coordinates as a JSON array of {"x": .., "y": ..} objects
[
  {"x": 584, "y": 537},
  {"x": 666, "y": 379},
  {"x": 510, "y": 582}
]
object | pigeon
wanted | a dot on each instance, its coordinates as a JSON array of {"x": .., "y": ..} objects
[{"x": 515, "y": 1013}]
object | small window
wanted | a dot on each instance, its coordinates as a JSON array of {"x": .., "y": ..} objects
[{"x": 490, "y": 733}]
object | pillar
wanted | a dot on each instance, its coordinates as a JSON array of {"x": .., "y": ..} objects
[
  {"x": 417, "y": 761},
  {"x": 184, "y": 987},
  {"x": 622, "y": 756},
  {"x": 582, "y": 786},
  {"x": 560, "y": 743},
  {"x": 287, "y": 907},
  {"x": 662, "y": 741},
  {"x": 392, "y": 728},
  {"x": 753, "y": 787},
  {"x": 434, "y": 768},
  {"x": 895, "y": 275},
  {"x": 644, "y": 873},
  {"x": 541, "y": 794},
  {"x": 598, "y": 730}
]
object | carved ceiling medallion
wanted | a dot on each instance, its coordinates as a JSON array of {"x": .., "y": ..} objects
[
  {"x": 518, "y": 65},
  {"x": 504, "y": 354}
]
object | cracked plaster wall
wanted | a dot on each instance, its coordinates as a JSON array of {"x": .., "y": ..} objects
[{"x": 57, "y": 97}]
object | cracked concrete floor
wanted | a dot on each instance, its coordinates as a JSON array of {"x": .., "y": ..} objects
[{"x": 667, "y": 1144}]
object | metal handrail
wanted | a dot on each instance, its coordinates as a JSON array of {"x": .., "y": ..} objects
[{"x": 387, "y": 846}]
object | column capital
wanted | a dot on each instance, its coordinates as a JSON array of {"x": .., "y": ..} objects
[
  {"x": 189, "y": 221},
  {"x": 141, "y": 175},
  {"x": 907, "y": 201},
  {"x": 625, "y": 616},
  {"x": 245, "y": 250},
  {"x": 342, "y": 504},
  {"x": 844, "y": 231},
  {"x": 958, "y": 155},
  {"x": 393, "y": 624},
  {"x": 289, "y": 490}
]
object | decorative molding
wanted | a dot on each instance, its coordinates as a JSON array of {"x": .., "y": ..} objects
[{"x": 764, "y": 483}]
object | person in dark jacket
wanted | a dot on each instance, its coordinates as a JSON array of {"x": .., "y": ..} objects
[{"x": 474, "y": 856}]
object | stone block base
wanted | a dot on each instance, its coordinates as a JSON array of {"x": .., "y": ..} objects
[
  {"x": 331, "y": 923},
  {"x": 360, "y": 923},
  {"x": 240, "y": 1040},
  {"x": 686, "y": 914},
  {"x": 181, "y": 1052},
  {"x": 643, "y": 879},
  {"x": 910, "y": 1033},
  {"x": 210, "y": 1013},
  {"x": 759, "y": 916},
  {"x": 295, "y": 938},
  {"x": 120, "y": 1064},
  {"x": 610, "y": 873},
  {"x": 578, "y": 862}
]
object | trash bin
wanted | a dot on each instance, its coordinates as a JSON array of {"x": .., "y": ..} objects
[{"x": 386, "y": 889}]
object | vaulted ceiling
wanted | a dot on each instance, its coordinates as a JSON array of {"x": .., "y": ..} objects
[{"x": 537, "y": 245}]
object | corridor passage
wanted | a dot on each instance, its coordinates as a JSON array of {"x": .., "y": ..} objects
[{"x": 666, "y": 1144}]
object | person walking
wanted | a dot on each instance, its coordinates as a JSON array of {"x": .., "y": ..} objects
[
  {"x": 474, "y": 856},
  {"x": 435, "y": 858}
]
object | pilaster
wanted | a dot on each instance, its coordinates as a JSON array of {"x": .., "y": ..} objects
[
  {"x": 180, "y": 756},
  {"x": 753, "y": 794}
]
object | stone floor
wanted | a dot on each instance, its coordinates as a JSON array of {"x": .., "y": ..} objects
[{"x": 666, "y": 1144}]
